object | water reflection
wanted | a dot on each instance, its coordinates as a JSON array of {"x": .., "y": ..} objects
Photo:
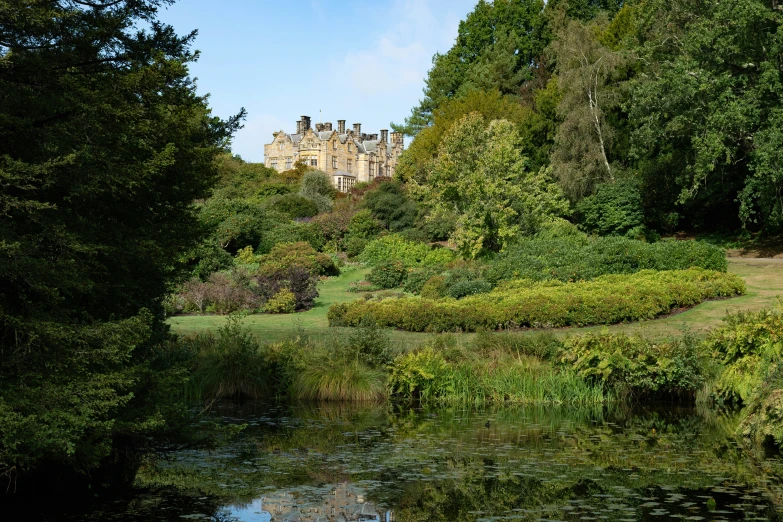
[{"x": 341, "y": 463}]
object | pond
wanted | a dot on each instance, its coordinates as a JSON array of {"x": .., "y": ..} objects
[{"x": 387, "y": 463}]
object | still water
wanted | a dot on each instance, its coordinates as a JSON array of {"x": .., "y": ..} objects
[{"x": 385, "y": 463}]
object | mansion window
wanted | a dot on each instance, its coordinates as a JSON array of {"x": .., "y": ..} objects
[
  {"x": 349, "y": 147},
  {"x": 288, "y": 162},
  {"x": 273, "y": 164},
  {"x": 372, "y": 170},
  {"x": 334, "y": 145},
  {"x": 313, "y": 162},
  {"x": 334, "y": 162},
  {"x": 388, "y": 171},
  {"x": 280, "y": 146},
  {"x": 350, "y": 166}
]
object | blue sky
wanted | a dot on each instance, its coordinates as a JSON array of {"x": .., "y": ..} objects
[{"x": 364, "y": 62}]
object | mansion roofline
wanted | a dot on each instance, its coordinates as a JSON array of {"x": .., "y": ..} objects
[{"x": 347, "y": 155}]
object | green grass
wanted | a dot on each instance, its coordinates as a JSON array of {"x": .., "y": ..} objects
[{"x": 764, "y": 278}]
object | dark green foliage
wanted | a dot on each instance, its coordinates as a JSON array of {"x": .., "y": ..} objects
[
  {"x": 391, "y": 206},
  {"x": 498, "y": 41},
  {"x": 713, "y": 108},
  {"x": 523, "y": 304},
  {"x": 575, "y": 260},
  {"x": 208, "y": 258},
  {"x": 354, "y": 246},
  {"x": 388, "y": 274},
  {"x": 270, "y": 189},
  {"x": 293, "y": 205},
  {"x": 637, "y": 367},
  {"x": 286, "y": 231},
  {"x": 614, "y": 209},
  {"x": 462, "y": 289},
  {"x": 416, "y": 278},
  {"x": 104, "y": 146}
]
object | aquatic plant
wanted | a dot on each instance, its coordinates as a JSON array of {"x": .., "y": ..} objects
[
  {"x": 230, "y": 364},
  {"x": 340, "y": 381}
]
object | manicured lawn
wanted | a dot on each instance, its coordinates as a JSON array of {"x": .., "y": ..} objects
[{"x": 764, "y": 278}]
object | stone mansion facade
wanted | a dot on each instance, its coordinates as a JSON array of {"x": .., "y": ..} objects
[{"x": 348, "y": 156}]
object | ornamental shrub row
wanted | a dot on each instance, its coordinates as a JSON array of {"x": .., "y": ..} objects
[
  {"x": 525, "y": 304},
  {"x": 575, "y": 259}
]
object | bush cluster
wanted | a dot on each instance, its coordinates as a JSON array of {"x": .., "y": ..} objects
[
  {"x": 283, "y": 281},
  {"x": 606, "y": 300},
  {"x": 396, "y": 247},
  {"x": 582, "y": 260},
  {"x": 637, "y": 367}
]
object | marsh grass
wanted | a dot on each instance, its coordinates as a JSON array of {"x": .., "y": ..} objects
[
  {"x": 341, "y": 382},
  {"x": 447, "y": 372},
  {"x": 229, "y": 364}
]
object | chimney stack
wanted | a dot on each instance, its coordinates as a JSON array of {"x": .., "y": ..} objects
[
  {"x": 319, "y": 127},
  {"x": 299, "y": 127},
  {"x": 305, "y": 123},
  {"x": 357, "y": 130},
  {"x": 328, "y": 126},
  {"x": 385, "y": 135},
  {"x": 341, "y": 126},
  {"x": 398, "y": 139}
]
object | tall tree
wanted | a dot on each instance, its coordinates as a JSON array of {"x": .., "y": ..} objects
[
  {"x": 588, "y": 74},
  {"x": 706, "y": 110},
  {"x": 501, "y": 38},
  {"x": 104, "y": 146},
  {"x": 481, "y": 176}
]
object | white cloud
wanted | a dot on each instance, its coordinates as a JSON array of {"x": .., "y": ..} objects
[{"x": 399, "y": 59}]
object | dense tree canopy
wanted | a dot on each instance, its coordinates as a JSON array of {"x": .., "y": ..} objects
[{"x": 104, "y": 146}]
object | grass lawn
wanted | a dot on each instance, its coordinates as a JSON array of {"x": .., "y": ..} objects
[{"x": 764, "y": 278}]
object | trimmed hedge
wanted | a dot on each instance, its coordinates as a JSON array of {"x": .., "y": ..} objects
[
  {"x": 518, "y": 304},
  {"x": 575, "y": 260}
]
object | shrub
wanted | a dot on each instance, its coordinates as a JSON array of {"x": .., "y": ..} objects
[
  {"x": 364, "y": 225},
  {"x": 283, "y": 302},
  {"x": 416, "y": 279},
  {"x": 395, "y": 247},
  {"x": 434, "y": 288},
  {"x": 615, "y": 208},
  {"x": 317, "y": 187},
  {"x": 286, "y": 255},
  {"x": 354, "y": 246},
  {"x": 574, "y": 259},
  {"x": 462, "y": 289},
  {"x": 388, "y": 274},
  {"x": 748, "y": 345},
  {"x": 278, "y": 232},
  {"x": 293, "y": 205},
  {"x": 389, "y": 204},
  {"x": 637, "y": 367},
  {"x": 608, "y": 299}
]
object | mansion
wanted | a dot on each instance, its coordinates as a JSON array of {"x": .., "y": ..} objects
[{"x": 347, "y": 156}]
